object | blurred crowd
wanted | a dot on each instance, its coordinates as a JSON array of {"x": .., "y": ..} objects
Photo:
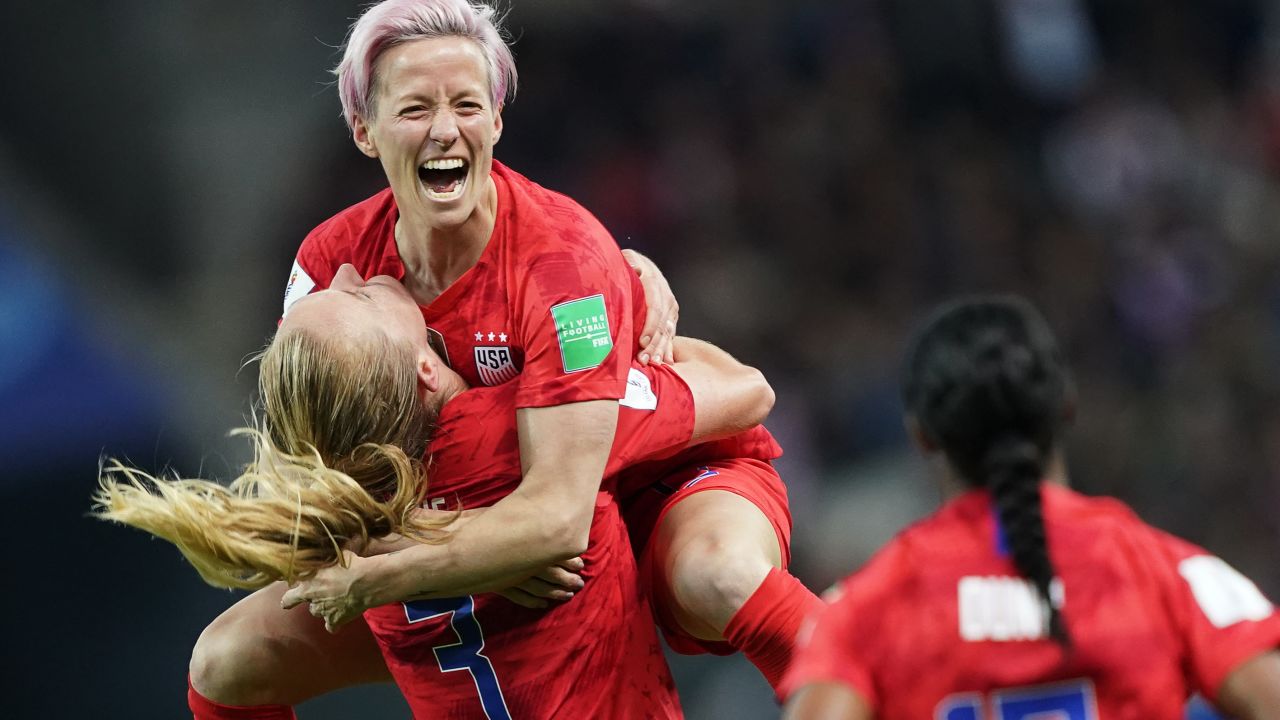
[
  {"x": 816, "y": 176},
  {"x": 812, "y": 175}
]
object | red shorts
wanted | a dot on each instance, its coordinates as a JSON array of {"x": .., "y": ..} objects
[{"x": 755, "y": 480}]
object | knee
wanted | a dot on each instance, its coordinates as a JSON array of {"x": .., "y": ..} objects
[
  {"x": 227, "y": 664},
  {"x": 712, "y": 577}
]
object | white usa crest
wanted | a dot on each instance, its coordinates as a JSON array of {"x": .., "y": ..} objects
[{"x": 494, "y": 364}]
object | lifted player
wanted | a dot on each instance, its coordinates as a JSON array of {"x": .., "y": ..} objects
[{"x": 351, "y": 381}]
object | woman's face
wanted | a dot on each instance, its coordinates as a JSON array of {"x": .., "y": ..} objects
[
  {"x": 352, "y": 307},
  {"x": 433, "y": 128}
]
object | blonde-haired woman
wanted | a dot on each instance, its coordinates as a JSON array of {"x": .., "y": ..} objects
[{"x": 351, "y": 390}]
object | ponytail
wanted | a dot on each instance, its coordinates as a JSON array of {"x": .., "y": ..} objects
[{"x": 1013, "y": 468}]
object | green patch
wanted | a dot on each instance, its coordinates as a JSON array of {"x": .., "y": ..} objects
[{"x": 582, "y": 327}]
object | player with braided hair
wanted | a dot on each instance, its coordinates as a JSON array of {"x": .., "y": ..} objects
[
  {"x": 990, "y": 388},
  {"x": 1020, "y": 598}
]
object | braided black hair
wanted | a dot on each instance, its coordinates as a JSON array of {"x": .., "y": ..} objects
[{"x": 987, "y": 385}]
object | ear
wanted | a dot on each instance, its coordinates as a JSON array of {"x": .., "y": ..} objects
[
  {"x": 497, "y": 125},
  {"x": 918, "y": 436},
  {"x": 428, "y": 370},
  {"x": 363, "y": 138}
]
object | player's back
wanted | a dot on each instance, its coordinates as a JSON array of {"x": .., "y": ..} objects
[
  {"x": 596, "y": 655},
  {"x": 940, "y": 625}
]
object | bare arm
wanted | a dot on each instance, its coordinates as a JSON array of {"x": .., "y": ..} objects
[
  {"x": 545, "y": 521},
  {"x": 728, "y": 397},
  {"x": 1252, "y": 691},
  {"x": 827, "y": 701}
]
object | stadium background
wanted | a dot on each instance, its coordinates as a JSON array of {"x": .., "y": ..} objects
[{"x": 811, "y": 175}]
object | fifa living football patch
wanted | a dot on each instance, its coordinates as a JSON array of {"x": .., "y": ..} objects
[{"x": 582, "y": 327}]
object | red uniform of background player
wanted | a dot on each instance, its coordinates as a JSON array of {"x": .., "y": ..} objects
[
  {"x": 939, "y": 625},
  {"x": 1020, "y": 598}
]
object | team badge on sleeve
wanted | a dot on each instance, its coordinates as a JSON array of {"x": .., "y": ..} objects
[
  {"x": 582, "y": 327},
  {"x": 300, "y": 283},
  {"x": 494, "y": 364}
]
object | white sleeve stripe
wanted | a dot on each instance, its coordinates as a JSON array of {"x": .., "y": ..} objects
[
  {"x": 300, "y": 283},
  {"x": 1224, "y": 595},
  {"x": 640, "y": 395}
]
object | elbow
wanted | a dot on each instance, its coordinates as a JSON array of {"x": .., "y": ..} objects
[{"x": 762, "y": 398}]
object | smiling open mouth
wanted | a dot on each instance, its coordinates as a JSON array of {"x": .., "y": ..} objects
[{"x": 443, "y": 179}]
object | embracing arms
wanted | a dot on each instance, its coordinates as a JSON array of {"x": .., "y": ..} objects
[{"x": 544, "y": 522}]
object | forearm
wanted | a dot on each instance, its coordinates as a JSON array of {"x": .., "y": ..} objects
[
  {"x": 493, "y": 551},
  {"x": 1252, "y": 691},
  {"x": 728, "y": 396}
]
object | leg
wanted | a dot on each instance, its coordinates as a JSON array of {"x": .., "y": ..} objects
[
  {"x": 718, "y": 548},
  {"x": 256, "y": 654},
  {"x": 716, "y": 567}
]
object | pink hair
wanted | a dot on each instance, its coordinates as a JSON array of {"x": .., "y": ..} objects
[{"x": 392, "y": 22}]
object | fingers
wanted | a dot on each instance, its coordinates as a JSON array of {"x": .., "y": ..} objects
[
  {"x": 292, "y": 598},
  {"x": 663, "y": 311},
  {"x": 523, "y": 599},
  {"x": 648, "y": 342},
  {"x": 657, "y": 347},
  {"x": 559, "y": 578},
  {"x": 333, "y": 625},
  {"x": 539, "y": 588},
  {"x": 635, "y": 260}
]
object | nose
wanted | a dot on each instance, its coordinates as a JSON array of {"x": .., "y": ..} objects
[
  {"x": 347, "y": 278},
  {"x": 444, "y": 129}
]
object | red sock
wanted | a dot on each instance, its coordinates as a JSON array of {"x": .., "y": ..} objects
[
  {"x": 202, "y": 708},
  {"x": 765, "y": 627}
]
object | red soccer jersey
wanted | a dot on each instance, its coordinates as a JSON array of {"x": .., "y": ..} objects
[
  {"x": 937, "y": 625},
  {"x": 596, "y": 656},
  {"x": 551, "y": 303}
]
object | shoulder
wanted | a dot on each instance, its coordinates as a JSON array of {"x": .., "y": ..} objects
[
  {"x": 1105, "y": 520},
  {"x": 549, "y": 220},
  {"x": 889, "y": 572},
  {"x": 351, "y": 227},
  {"x": 1071, "y": 505}
]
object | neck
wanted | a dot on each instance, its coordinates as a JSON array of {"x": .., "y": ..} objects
[
  {"x": 451, "y": 386},
  {"x": 435, "y": 257},
  {"x": 953, "y": 484}
]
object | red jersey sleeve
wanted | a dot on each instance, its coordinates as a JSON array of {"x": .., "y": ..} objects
[
  {"x": 576, "y": 318},
  {"x": 841, "y": 642},
  {"x": 1222, "y": 617},
  {"x": 655, "y": 417},
  {"x": 362, "y": 235}
]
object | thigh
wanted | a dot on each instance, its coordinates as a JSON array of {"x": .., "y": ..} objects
[{"x": 255, "y": 653}]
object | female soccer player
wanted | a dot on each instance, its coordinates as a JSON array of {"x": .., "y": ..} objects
[
  {"x": 517, "y": 284},
  {"x": 1020, "y": 598},
  {"x": 351, "y": 389}
]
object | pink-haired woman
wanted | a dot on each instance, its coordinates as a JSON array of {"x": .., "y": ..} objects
[{"x": 517, "y": 284}]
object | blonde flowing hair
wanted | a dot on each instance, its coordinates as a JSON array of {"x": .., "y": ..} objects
[{"x": 337, "y": 461}]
